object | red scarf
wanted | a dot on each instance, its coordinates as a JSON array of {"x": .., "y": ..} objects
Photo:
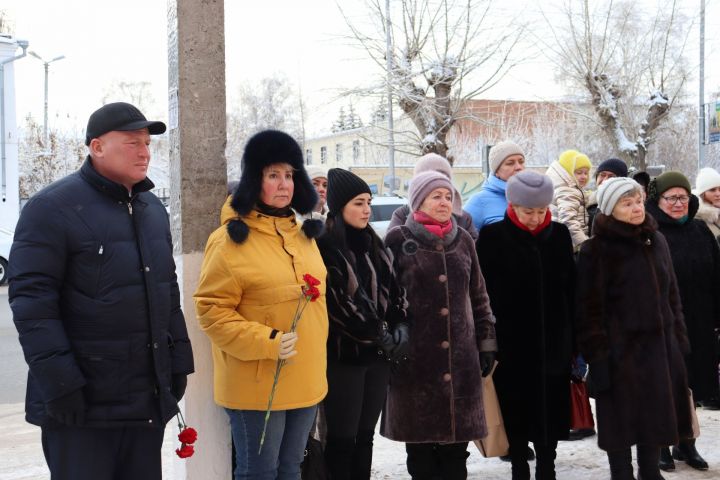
[
  {"x": 432, "y": 225},
  {"x": 514, "y": 218}
]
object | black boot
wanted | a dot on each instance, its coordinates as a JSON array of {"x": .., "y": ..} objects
[
  {"x": 686, "y": 451},
  {"x": 666, "y": 463},
  {"x": 620, "y": 464},
  {"x": 453, "y": 461},
  {"x": 422, "y": 462},
  {"x": 519, "y": 458},
  {"x": 338, "y": 457},
  {"x": 545, "y": 466},
  {"x": 362, "y": 456},
  {"x": 648, "y": 459}
]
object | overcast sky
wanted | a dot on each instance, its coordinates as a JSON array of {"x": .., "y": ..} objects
[{"x": 107, "y": 41}]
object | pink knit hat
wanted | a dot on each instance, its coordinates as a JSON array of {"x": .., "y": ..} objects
[{"x": 423, "y": 184}]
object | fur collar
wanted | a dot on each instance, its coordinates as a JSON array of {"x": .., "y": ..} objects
[
  {"x": 608, "y": 227},
  {"x": 427, "y": 238},
  {"x": 708, "y": 213}
]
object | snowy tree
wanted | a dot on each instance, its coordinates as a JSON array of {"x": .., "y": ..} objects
[
  {"x": 630, "y": 64},
  {"x": 273, "y": 103},
  {"x": 439, "y": 47},
  {"x": 40, "y": 164}
]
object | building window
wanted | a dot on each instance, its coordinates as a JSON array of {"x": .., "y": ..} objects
[
  {"x": 308, "y": 156},
  {"x": 338, "y": 152},
  {"x": 356, "y": 150},
  {"x": 323, "y": 154}
]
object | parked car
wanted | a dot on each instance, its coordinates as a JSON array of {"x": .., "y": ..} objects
[
  {"x": 6, "y": 238},
  {"x": 382, "y": 209}
]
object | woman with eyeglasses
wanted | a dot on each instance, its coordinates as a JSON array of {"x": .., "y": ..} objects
[{"x": 696, "y": 261}]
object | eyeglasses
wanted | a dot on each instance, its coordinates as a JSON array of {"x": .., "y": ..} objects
[{"x": 683, "y": 199}]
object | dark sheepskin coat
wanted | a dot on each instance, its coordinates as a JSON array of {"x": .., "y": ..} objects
[
  {"x": 696, "y": 259},
  {"x": 531, "y": 284},
  {"x": 437, "y": 396},
  {"x": 630, "y": 325}
]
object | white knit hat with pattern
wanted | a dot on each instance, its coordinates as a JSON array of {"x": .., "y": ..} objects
[{"x": 611, "y": 190}]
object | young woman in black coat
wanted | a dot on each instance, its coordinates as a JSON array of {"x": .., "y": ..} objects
[
  {"x": 631, "y": 331},
  {"x": 368, "y": 326},
  {"x": 527, "y": 261},
  {"x": 696, "y": 260}
]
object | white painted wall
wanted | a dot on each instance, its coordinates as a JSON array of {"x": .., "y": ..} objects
[{"x": 10, "y": 202}]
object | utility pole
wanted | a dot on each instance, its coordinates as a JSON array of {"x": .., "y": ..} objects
[
  {"x": 701, "y": 117},
  {"x": 47, "y": 68},
  {"x": 388, "y": 62}
]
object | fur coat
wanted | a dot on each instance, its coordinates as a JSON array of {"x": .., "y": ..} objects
[
  {"x": 360, "y": 314},
  {"x": 531, "y": 284},
  {"x": 711, "y": 216},
  {"x": 437, "y": 396},
  {"x": 696, "y": 260},
  {"x": 630, "y": 328}
]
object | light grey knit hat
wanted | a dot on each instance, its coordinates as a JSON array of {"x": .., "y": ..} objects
[
  {"x": 529, "y": 189},
  {"x": 611, "y": 190},
  {"x": 500, "y": 151}
]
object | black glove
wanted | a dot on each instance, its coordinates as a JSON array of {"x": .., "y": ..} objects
[
  {"x": 598, "y": 379},
  {"x": 401, "y": 337},
  {"x": 68, "y": 409},
  {"x": 487, "y": 360},
  {"x": 179, "y": 383}
]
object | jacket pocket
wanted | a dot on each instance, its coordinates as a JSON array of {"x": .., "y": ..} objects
[{"x": 104, "y": 365}]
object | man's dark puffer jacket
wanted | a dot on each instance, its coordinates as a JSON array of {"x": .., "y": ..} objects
[{"x": 96, "y": 302}]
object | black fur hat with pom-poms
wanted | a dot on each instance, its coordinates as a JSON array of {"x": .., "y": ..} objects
[{"x": 263, "y": 149}]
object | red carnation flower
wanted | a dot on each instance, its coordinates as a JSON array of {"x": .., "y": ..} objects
[
  {"x": 310, "y": 280},
  {"x": 188, "y": 435},
  {"x": 185, "y": 451}
]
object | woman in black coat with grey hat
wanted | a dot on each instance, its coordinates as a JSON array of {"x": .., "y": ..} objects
[
  {"x": 527, "y": 260},
  {"x": 369, "y": 327}
]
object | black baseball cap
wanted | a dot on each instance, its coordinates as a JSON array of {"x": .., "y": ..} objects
[{"x": 119, "y": 116}]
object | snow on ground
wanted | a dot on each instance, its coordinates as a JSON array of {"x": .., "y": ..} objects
[{"x": 21, "y": 455}]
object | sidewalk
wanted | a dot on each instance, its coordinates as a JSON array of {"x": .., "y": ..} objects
[{"x": 22, "y": 457}]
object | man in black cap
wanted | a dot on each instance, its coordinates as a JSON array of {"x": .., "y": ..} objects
[{"x": 96, "y": 304}]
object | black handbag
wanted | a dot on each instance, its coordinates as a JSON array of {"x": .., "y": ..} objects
[{"x": 313, "y": 465}]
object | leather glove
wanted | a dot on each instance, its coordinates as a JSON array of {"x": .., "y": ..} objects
[
  {"x": 68, "y": 409},
  {"x": 387, "y": 344},
  {"x": 598, "y": 379},
  {"x": 401, "y": 337},
  {"x": 487, "y": 360},
  {"x": 179, "y": 384}
]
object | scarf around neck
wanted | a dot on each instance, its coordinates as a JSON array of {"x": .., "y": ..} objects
[
  {"x": 431, "y": 225},
  {"x": 516, "y": 221}
]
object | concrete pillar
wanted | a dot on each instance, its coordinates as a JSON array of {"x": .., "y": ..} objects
[
  {"x": 198, "y": 187},
  {"x": 9, "y": 196}
]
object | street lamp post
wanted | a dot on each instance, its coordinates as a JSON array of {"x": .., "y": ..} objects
[{"x": 46, "y": 65}]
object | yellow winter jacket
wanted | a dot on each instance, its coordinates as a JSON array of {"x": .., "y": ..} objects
[{"x": 248, "y": 289}]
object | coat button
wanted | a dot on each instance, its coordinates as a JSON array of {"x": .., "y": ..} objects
[
  {"x": 439, "y": 248},
  {"x": 442, "y": 278},
  {"x": 444, "y": 312},
  {"x": 445, "y": 344},
  {"x": 147, "y": 269},
  {"x": 447, "y": 377},
  {"x": 155, "y": 345}
]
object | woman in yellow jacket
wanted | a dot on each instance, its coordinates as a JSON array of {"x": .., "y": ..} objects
[{"x": 249, "y": 288}]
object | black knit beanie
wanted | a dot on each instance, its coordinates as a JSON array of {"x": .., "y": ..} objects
[
  {"x": 614, "y": 165},
  {"x": 343, "y": 186}
]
